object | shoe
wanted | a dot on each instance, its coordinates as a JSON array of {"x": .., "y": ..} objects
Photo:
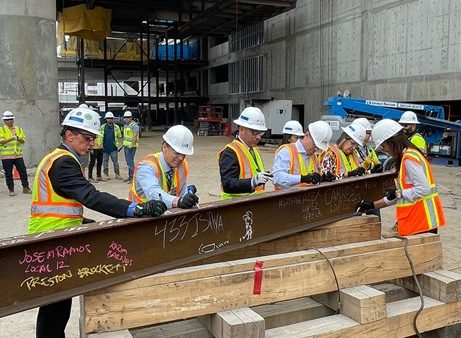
[
  {"x": 127, "y": 180},
  {"x": 26, "y": 190},
  {"x": 118, "y": 177},
  {"x": 11, "y": 193},
  {"x": 107, "y": 177},
  {"x": 100, "y": 179},
  {"x": 92, "y": 180}
]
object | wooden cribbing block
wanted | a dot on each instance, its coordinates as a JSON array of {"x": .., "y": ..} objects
[
  {"x": 116, "y": 334},
  {"x": 350, "y": 230},
  {"x": 238, "y": 323},
  {"x": 291, "y": 311},
  {"x": 442, "y": 285},
  {"x": 399, "y": 322},
  {"x": 189, "y": 328},
  {"x": 394, "y": 292},
  {"x": 195, "y": 291},
  {"x": 363, "y": 304}
]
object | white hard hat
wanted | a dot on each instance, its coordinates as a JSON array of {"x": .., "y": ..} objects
[
  {"x": 127, "y": 114},
  {"x": 293, "y": 128},
  {"x": 109, "y": 115},
  {"x": 356, "y": 132},
  {"x": 321, "y": 134},
  {"x": 384, "y": 130},
  {"x": 83, "y": 105},
  {"x": 180, "y": 139},
  {"x": 83, "y": 118},
  {"x": 7, "y": 115},
  {"x": 409, "y": 118},
  {"x": 253, "y": 118},
  {"x": 364, "y": 123}
]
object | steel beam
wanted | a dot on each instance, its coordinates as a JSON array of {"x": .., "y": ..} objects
[{"x": 46, "y": 267}]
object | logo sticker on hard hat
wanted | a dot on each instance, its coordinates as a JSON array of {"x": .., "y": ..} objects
[{"x": 88, "y": 116}]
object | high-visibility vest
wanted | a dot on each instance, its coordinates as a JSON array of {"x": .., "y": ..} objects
[
  {"x": 297, "y": 163},
  {"x": 128, "y": 135},
  {"x": 13, "y": 147},
  {"x": 117, "y": 133},
  {"x": 424, "y": 214},
  {"x": 371, "y": 154},
  {"x": 248, "y": 166},
  {"x": 50, "y": 211},
  {"x": 344, "y": 163},
  {"x": 419, "y": 141},
  {"x": 180, "y": 175}
]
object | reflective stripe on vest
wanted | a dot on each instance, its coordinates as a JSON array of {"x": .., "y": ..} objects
[
  {"x": 424, "y": 214},
  {"x": 419, "y": 141},
  {"x": 297, "y": 162},
  {"x": 128, "y": 135},
  {"x": 13, "y": 147},
  {"x": 50, "y": 211},
  {"x": 181, "y": 173},
  {"x": 248, "y": 166},
  {"x": 344, "y": 163}
]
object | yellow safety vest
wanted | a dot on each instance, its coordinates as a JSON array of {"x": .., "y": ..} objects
[
  {"x": 371, "y": 155},
  {"x": 117, "y": 133},
  {"x": 297, "y": 163},
  {"x": 13, "y": 147},
  {"x": 50, "y": 211},
  {"x": 180, "y": 175},
  {"x": 128, "y": 135},
  {"x": 248, "y": 166},
  {"x": 419, "y": 141}
]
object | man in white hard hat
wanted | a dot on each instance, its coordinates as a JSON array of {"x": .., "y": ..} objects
[
  {"x": 292, "y": 130},
  {"x": 409, "y": 121},
  {"x": 111, "y": 135},
  {"x": 367, "y": 155},
  {"x": 59, "y": 193},
  {"x": 296, "y": 164},
  {"x": 163, "y": 175},
  {"x": 12, "y": 139},
  {"x": 251, "y": 178},
  {"x": 130, "y": 142}
]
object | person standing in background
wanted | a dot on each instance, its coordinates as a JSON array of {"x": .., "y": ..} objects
[
  {"x": 130, "y": 142},
  {"x": 96, "y": 158},
  {"x": 12, "y": 139},
  {"x": 111, "y": 135}
]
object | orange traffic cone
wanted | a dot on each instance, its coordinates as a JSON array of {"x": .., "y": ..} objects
[{"x": 16, "y": 174}]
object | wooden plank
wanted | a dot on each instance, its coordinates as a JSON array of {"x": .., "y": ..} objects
[
  {"x": 236, "y": 323},
  {"x": 114, "y": 334},
  {"x": 291, "y": 311},
  {"x": 301, "y": 274},
  {"x": 442, "y": 285},
  {"x": 363, "y": 304},
  {"x": 350, "y": 230},
  {"x": 189, "y": 328},
  {"x": 394, "y": 292},
  {"x": 399, "y": 322}
]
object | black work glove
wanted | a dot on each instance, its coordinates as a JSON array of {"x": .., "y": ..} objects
[
  {"x": 390, "y": 194},
  {"x": 377, "y": 169},
  {"x": 313, "y": 178},
  {"x": 150, "y": 208},
  {"x": 328, "y": 177},
  {"x": 364, "y": 206},
  {"x": 357, "y": 172},
  {"x": 188, "y": 201}
]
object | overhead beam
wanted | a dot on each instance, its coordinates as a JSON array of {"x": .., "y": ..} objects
[{"x": 274, "y": 3}]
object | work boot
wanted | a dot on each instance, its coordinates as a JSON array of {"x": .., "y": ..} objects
[
  {"x": 100, "y": 179},
  {"x": 106, "y": 176},
  {"x": 118, "y": 177},
  {"x": 92, "y": 180},
  {"x": 26, "y": 190},
  {"x": 11, "y": 193}
]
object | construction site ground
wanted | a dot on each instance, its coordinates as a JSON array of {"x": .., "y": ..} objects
[{"x": 205, "y": 175}]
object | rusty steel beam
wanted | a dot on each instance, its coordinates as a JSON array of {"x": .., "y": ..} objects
[{"x": 46, "y": 267}]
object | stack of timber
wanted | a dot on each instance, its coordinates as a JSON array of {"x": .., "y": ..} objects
[{"x": 298, "y": 296}]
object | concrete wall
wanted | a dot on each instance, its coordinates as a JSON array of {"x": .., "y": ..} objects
[
  {"x": 407, "y": 50},
  {"x": 28, "y": 67}
]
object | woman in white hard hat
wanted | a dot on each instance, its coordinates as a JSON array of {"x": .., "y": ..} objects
[
  {"x": 292, "y": 130},
  {"x": 417, "y": 202},
  {"x": 367, "y": 155},
  {"x": 296, "y": 163},
  {"x": 339, "y": 159}
]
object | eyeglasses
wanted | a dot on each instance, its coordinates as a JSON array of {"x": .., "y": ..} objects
[
  {"x": 87, "y": 137},
  {"x": 256, "y": 132},
  {"x": 8, "y": 119},
  {"x": 352, "y": 141}
]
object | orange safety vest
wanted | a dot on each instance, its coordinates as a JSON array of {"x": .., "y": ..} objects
[
  {"x": 50, "y": 211},
  {"x": 297, "y": 163},
  {"x": 344, "y": 163},
  {"x": 180, "y": 175},
  {"x": 248, "y": 166},
  {"x": 424, "y": 214}
]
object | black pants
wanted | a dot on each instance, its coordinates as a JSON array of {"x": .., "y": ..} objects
[
  {"x": 96, "y": 156},
  {"x": 52, "y": 319},
  {"x": 8, "y": 168}
]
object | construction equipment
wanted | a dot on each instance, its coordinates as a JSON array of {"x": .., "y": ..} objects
[
  {"x": 211, "y": 121},
  {"x": 442, "y": 136}
]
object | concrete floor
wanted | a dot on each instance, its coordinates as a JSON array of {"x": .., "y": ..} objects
[{"x": 204, "y": 174}]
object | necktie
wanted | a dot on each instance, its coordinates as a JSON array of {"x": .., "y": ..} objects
[{"x": 169, "y": 177}]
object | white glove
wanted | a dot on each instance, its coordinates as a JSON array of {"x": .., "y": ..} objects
[{"x": 261, "y": 178}]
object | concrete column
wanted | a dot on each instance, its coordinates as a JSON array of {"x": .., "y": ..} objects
[{"x": 29, "y": 72}]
